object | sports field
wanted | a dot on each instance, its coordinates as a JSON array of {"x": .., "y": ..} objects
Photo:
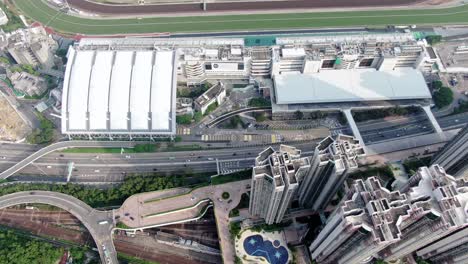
[{"x": 41, "y": 12}]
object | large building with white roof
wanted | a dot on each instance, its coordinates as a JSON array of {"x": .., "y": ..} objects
[{"x": 119, "y": 90}]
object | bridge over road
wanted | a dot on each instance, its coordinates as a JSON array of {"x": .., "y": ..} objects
[{"x": 98, "y": 223}]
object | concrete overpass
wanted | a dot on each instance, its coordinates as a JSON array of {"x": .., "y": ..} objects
[
  {"x": 98, "y": 223},
  {"x": 226, "y": 116},
  {"x": 62, "y": 145}
]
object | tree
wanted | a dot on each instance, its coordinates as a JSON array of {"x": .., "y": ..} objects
[
  {"x": 43, "y": 134},
  {"x": 18, "y": 249},
  {"x": 211, "y": 108},
  {"x": 443, "y": 97},
  {"x": 259, "y": 117},
  {"x": 433, "y": 39},
  {"x": 298, "y": 115},
  {"x": 234, "y": 229},
  {"x": 259, "y": 102},
  {"x": 184, "y": 119},
  {"x": 197, "y": 116}
]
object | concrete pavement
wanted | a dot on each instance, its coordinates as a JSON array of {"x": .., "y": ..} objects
[
  {"x": 98, "y": 223},
  {"x": 154, "y": 209},
  {"x": 60, "y": 145}
]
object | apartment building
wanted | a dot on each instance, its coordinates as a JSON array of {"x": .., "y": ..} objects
[
  {"x": 32, "y": 46},
  {"x": 438, "y": 209},
  {"x": 331, "y": 163},
  {"x": 428, "y": 216},
  {"x": 362, "y": 226},
  {"x": 453, "y": 157},
  {"x": 276, "y": 177}
]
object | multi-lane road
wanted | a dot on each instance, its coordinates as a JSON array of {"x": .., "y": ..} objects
[
  {"x": 373, "y": 132},
  {"x": 48, "y": 161},
  {"x": 100, "y": 224}
]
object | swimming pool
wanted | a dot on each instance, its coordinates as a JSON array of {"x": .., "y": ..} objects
[{"x": 273, "y": 252}]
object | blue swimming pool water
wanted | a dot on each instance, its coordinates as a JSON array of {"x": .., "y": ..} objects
[{"x": 255, "y": 246}]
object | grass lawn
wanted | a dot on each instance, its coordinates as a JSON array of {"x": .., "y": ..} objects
[
  {"x": 235, "y": 176},
  {"x": 39, "y": 11},
  {"x": 97, "y": 150},
  {"x": 139, "y": 148}
]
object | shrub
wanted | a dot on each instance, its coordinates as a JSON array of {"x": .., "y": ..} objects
[
  {"x": 433, "y": 39},
  {"x": 443, "y": 97},
  {"x": 184, "y": 119},
  {"x": 259, "y": 102}
]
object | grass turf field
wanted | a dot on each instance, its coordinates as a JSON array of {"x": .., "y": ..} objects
[{"x": 41, "y": 12}]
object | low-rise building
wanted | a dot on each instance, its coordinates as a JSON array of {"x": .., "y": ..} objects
[
  {"x": 215, "y": 94},
  {"x": 184, "y": 106},
  {"x": 27, "y": 83}
]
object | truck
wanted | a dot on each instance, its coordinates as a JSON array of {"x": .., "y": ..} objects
[{"x": 103, "y": 222}]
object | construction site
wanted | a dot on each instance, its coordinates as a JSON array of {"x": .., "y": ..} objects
[{"x": 12, "y": 127}]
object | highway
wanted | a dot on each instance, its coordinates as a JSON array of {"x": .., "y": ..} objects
[
  {"x": 100, "y": 224},
  {"x": 57, "y": 146},
  {"x": 113, "y": 167},
  {"x": 374, "y": 132}
]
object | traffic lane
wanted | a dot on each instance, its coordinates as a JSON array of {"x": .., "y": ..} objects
[
  {"x": 397, "y": 133},
  {"x": 402, "y": 121},
  {"x": 117, "y": 172},
  {"x": 413, "y": 128},
  {"x": 141, "y": 158},
  {"x": 60, "y": 145},
  {"x": 18, "y": 146}
]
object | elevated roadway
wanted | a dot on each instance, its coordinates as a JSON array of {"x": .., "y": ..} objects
[
  {"x": 98, "y": 223},
  {"x": 226, "y": 116},
  {"x": 61, "y": 145}
]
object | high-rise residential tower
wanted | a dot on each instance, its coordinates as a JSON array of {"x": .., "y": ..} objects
[
  {"x": 275, "y": 180},
  {"x": 453, "y": 157},
  {"x": 362, "y": 226},
  {"x": 428, "y": 216},
  {"x": 331, "y": 163}
]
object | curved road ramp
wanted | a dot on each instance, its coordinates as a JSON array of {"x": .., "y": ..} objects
[
  {"x": 62, "y": 145},
  {"x": 99, "y": 223}
]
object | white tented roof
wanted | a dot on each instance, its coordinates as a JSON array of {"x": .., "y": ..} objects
[
  {"x": 350, "y": 86},
  {"x": 119, "y": 92}
]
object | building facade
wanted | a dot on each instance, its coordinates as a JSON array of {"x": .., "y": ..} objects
[
  {"x": 362, "y": 226},
  {"x": 276, "y": 177},
  {"x": 331, "y": 163},
  {"x": 428, "y": 216},
  {"x": 27, "y": 83},
  {"x": 214, "y": 94},
  {"x": 453, "y": 157},
  {"x": 32, "y": 46}
]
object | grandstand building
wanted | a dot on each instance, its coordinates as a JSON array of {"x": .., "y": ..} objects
[{"x": 119, "y": 89}]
